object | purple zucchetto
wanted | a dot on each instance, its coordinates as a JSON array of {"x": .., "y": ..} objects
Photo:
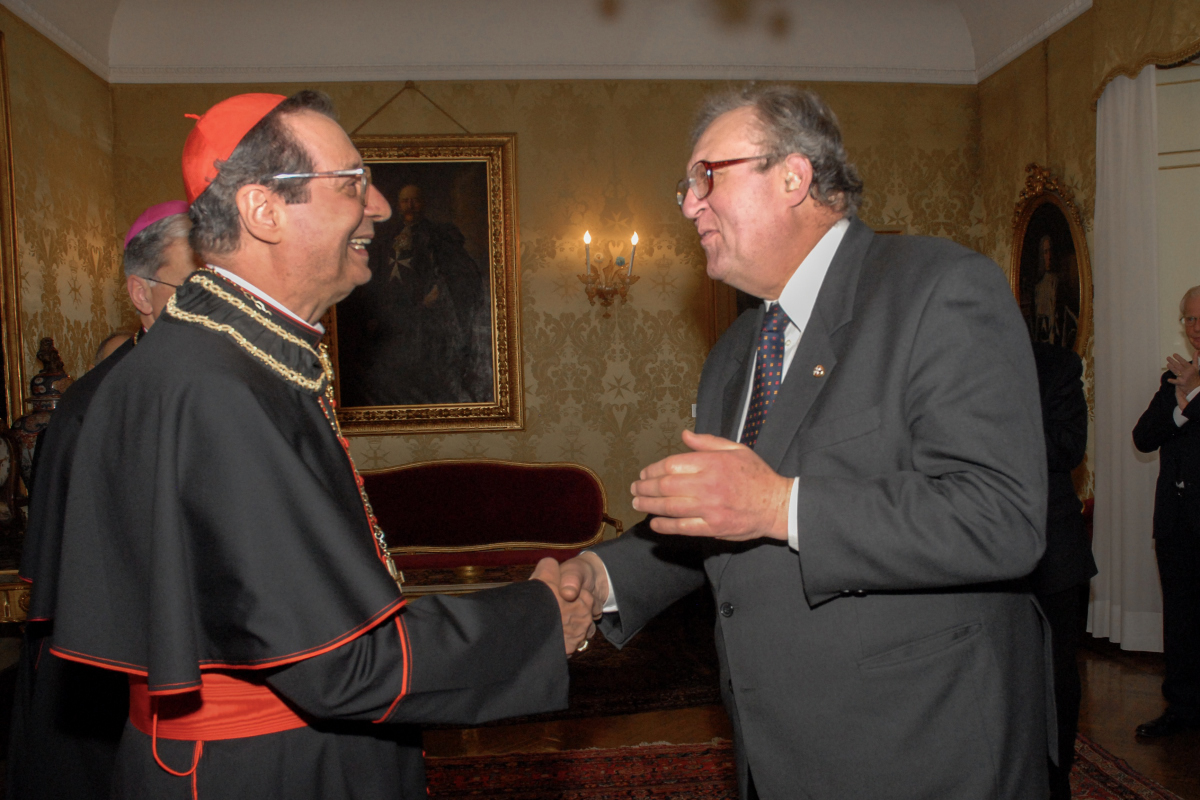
[{"x": 153, "y": 214}]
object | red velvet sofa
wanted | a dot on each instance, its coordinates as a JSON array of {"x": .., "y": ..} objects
[{"x": 464, "y": 525}]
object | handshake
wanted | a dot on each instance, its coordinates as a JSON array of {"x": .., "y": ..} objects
[{"x": 581, "y": 587}]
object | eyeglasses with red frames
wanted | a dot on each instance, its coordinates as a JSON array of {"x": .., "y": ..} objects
[
  {"x": 362, "y": 173},
  {"x": 700, "y": 177}
]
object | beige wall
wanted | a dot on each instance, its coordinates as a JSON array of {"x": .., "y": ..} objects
[
  {"x": 610, "y": 393},
  {"x": 1038, "y": 109},
  {"x": 67, "y": 250}
]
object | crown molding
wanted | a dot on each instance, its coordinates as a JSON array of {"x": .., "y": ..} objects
[
  {"x": 1043, "y": 31},
  {"x": 481, "y": 72},
  {"x": 56, "y": 35}
]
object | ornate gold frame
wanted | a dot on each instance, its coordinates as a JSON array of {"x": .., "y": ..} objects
[
  {"x": 507, "y": 411},
  {"x": 1041, "y": 187},
  {"x": 10, "y": 279}
]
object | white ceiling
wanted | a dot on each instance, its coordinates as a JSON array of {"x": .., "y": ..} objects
[{"x": 213, "y": 41}]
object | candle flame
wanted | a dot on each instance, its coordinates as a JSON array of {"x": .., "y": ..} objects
[
  {"x": 587, "y": 237},
  {"x": 634, "y": 239}
]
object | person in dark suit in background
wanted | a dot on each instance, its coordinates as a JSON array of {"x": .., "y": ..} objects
[
  {"x": 1061, "y": 578},
  {"x": 867, "y": 491},
  {"x": 1170, "y": 426}
]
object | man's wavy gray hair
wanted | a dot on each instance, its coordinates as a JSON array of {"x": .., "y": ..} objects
[{"x": 795, "y": 121}]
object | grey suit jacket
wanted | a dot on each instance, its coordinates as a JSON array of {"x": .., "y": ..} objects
[{"x": 898, "y": 654}]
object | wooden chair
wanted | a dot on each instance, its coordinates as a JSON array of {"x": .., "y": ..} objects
[{"x": 459, "y": 526}]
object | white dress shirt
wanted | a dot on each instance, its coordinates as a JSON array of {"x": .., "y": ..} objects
[
  {"x": 257, "y": 292},
  {"x": 797, "y": 299}
]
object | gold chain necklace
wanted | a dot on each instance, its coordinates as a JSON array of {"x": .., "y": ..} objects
[
  {"x": 327, "y": 402},
  {"x": 329, "y": 407}
]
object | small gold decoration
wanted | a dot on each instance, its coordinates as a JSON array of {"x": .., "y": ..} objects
[{"x": 818, "y": 371}]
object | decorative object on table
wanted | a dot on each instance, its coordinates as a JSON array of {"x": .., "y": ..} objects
[
  {"x": 608, "y": 276},
  {"x": 432, "y": 343},
  {"x": 14, "y": 597},
  {"x": 45, "y": 390}
]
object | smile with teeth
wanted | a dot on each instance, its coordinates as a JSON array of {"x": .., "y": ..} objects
[{"x": 360, "y": 244}]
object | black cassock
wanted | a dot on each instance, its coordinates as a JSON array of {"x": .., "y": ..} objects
[
  {"x": 67, "y": 717},
  {"x": 214, "y": 524}
]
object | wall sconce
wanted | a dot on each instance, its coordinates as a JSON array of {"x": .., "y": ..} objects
[{"x": 607, "y": 281}]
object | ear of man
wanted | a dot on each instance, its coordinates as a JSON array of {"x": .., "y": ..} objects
[
  {"x": 263, "y": 213},
  {"x": 139, "y": 294},
  {"x": 798, "y": 176}
]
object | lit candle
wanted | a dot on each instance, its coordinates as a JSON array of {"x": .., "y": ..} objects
[
  {"x": 632, "y": 253},
  {"x": 587, "y": 250}
]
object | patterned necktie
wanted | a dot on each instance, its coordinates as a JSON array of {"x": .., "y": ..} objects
[{"x": 768, "y": 373}]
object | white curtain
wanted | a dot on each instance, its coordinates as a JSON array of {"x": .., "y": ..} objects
[{"x": 1126, "y": 602}]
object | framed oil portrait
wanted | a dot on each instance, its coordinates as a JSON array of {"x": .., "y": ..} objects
[
  {"x": 1051, "y": 275},
  {"x": 432, "y": 341}
]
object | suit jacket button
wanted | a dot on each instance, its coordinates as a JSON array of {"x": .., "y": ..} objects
[{"x": 726, "y": 609}]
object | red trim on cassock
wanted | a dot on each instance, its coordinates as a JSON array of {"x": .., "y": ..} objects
[
  {"x": 406, "y": 667},
  {"x": 95, "y": 661},
  {"x": 26, "y": 580},
  {"x": 177, "y": 688},
  {"x": 332, "y": 644}
]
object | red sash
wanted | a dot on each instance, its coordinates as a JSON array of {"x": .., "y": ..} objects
[{"x": 224, "y": 707}]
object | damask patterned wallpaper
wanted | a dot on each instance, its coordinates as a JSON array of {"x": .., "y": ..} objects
[
  {"x": 1038, "y": 109},
  {"x": 62, "y": 142},
  {"x": 604, "y": 156}
]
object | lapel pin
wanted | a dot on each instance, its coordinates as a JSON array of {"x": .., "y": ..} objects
[{"x": 818, "y": 371}]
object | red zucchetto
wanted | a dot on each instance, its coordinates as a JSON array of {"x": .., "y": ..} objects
[{"x": 216, "y": 135}]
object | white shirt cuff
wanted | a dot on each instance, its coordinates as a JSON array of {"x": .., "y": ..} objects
[
  {"x": 1180, "y": 419},
  {"x": 610, "y": 605},
  {"x": 793, "y": 525}
]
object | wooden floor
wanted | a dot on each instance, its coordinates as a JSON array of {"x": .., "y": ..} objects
[{"x": 1120, "y": 690}]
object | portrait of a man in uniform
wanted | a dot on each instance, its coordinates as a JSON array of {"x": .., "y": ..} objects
[
  {"x": 420, "y": 331},
  {"x": 1049, "y": 278}
]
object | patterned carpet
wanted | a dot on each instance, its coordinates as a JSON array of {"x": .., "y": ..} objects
[
  {"x": 679, "y": 772},
  {"x": 1099, "y": 775},
  {"x": 694, "y": 772}
]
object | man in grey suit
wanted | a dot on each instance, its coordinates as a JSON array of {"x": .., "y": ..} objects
[{"x": 866, "y": 491}]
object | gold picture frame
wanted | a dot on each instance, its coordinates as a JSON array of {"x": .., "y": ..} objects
[
  {"x": 1051, "y": 274},
  {"x": 11, "y": 341},
  {"x": 433, "y": 342}
]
